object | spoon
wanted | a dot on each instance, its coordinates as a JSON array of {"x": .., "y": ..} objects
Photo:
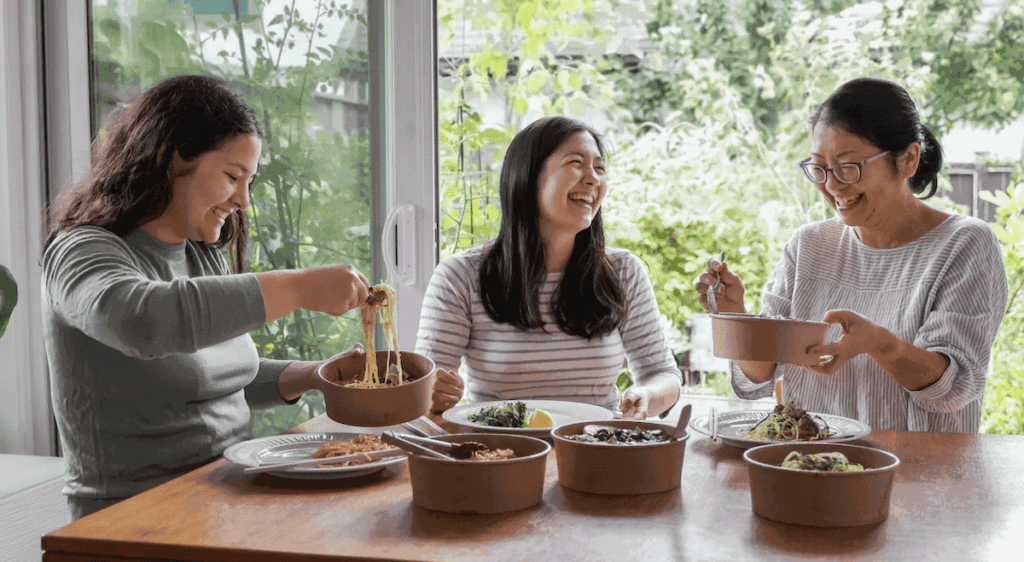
[
  {"x": 712, "y": 303},
  {"x": 684, "y": 418}
]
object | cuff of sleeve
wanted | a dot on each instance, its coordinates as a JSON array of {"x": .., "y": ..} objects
[
  {"x": 941, "y": 387},
  {"x": 746, "y": 388},
  {"x": 262, "y": 392}
]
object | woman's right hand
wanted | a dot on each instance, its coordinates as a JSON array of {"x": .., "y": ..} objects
[
  {"x": 729, "y": 297},
  {"x": 334, "y": 289}
]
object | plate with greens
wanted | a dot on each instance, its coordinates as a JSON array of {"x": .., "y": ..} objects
[{"x": 533, "y": 418}]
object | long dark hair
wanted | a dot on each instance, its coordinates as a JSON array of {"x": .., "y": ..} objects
[
  {"x": 131, "y": 178},
  {"x": 589, "y": 301},
  {"x": 882, "y": 113}
]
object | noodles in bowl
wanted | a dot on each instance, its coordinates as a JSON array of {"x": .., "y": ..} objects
[{"x": 354, "y": 393}]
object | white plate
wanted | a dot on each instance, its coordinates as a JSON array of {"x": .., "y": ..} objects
[
  {"x": 561, "y": 414},
  {"x": 733, "y": 427},
  {"x": 298, "y": 446}
]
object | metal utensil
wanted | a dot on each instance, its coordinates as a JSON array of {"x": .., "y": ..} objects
[
  {"x": 712, "y": 302},
  {"x": 430, "y": 423},
  {"x": 714, "y": 424},
  {"x": 684, "y": 418},
  {"x": 406, "y": 444},
  {"x": 458, "y": 451},
  {"x": 370, "y": 456}
]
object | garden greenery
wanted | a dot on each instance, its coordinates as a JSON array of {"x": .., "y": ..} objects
[{"x": 704, "y": 104}]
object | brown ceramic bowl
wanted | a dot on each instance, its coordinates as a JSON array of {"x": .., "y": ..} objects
[
  {"x": 481, "y": 486},
  {"x": 600, "y": 468},
  {"x": 750, "y": 337},
  {"x": 376, "y": 407},
  {"x": 821, "y": 499}
]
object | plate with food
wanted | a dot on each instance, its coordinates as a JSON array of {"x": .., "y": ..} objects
[
  {"x": 785, "y": 423},
  {"x": 533, "y": 418},
  {"x": 294, "y": 447}
]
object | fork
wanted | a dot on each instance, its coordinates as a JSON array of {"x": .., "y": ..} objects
[{"x": 712, "y": 302}]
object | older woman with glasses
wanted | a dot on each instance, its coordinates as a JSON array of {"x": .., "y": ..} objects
[{"x": 915, "y": 294}]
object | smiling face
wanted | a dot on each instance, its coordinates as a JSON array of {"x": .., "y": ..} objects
[
  {"x": 880, "y": 195},
  {"x": 570, "y": 187},
  {"x": 209, "y": 189}
]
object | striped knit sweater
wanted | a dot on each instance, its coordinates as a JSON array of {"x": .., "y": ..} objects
[
  {"x": 506, "y": 363},
  {"x": 944, "y": 292}
]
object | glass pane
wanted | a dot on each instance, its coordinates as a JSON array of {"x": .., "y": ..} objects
[{"x": 305, "y": 72}]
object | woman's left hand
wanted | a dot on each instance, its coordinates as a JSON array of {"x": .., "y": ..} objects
[
  {"x": 860, "y": 335},
  {"x": 448, "y": 387},
  {"x": 636, "y": 401}
]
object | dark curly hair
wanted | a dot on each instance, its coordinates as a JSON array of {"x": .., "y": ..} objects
[{"x": 131, "y": 179}]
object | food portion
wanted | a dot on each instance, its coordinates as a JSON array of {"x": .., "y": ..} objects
[
  {"x": 362, "y": 443},
  {"x": 788, "y": 423},
  {"x": 622, "y": 436},
  {"x": 511, "y": 414},
  {"x": 473, "y": 451},
  {"x": 381, "y": 300},
  {"x": 820, "y": 462}
]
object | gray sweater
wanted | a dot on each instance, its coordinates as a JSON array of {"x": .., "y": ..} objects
[
  {"x": 944, "y": 292},
  {"x": 152, "y": 369}
]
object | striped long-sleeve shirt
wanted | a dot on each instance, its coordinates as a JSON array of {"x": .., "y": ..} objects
[
  {"x": 944, "y": 292},
  {"x": 506, "y": 363}
]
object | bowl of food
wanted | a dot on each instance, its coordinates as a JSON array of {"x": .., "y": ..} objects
[
  {"x": 507, "y": 476},
  {"x": 393, "y": 398},
  {"x": 749, "y": 337},
  {"x": 821, "y": 484},
  {"x": 618, "y": 457}
]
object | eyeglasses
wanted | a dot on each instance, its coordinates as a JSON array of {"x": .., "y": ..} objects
[{"x": 847, "y": 172}]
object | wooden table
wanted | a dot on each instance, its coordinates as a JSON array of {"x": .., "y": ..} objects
[{"x": 956, "y": 497}]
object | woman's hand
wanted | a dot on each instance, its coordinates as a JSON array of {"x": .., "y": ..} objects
[
  {"x": 860, "y": 335},
  {"x": 657, "y": 394},
  {"x": 352, "y": 360},
  {"x": 334, "y": 289},
  {"x": 300, "y": 376},
  {"x": 448, "y": 387},
  {"x": 635, "y": 403},
  {"x": 729, "y": 297}
]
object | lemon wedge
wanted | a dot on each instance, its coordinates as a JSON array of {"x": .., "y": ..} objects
[{"x": 540, "y": 418}]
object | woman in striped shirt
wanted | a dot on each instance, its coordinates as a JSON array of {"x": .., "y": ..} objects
[
  {"x": 915, "y": 294},
  {"x": 546, "y": 311}
]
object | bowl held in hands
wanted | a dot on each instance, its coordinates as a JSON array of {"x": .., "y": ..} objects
[
  {"x": 748, "y": 337},
  {"x": 376, "y": 407}
]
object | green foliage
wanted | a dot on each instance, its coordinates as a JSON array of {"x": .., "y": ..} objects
[
  {"x": 310, "y": 197},
  {"x": 1004, "y": 390},
  {"x": 484, "y": 97},
  {"x": 678, "y": 252},
  {"x": 708, "y": 126}
]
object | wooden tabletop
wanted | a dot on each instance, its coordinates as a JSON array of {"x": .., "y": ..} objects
[{"x": 955, "y": 497}]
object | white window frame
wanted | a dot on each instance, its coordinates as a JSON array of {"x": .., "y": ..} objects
[
  {"x": 404, "y": 153},
  {"x": 45, "y": 145}
]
